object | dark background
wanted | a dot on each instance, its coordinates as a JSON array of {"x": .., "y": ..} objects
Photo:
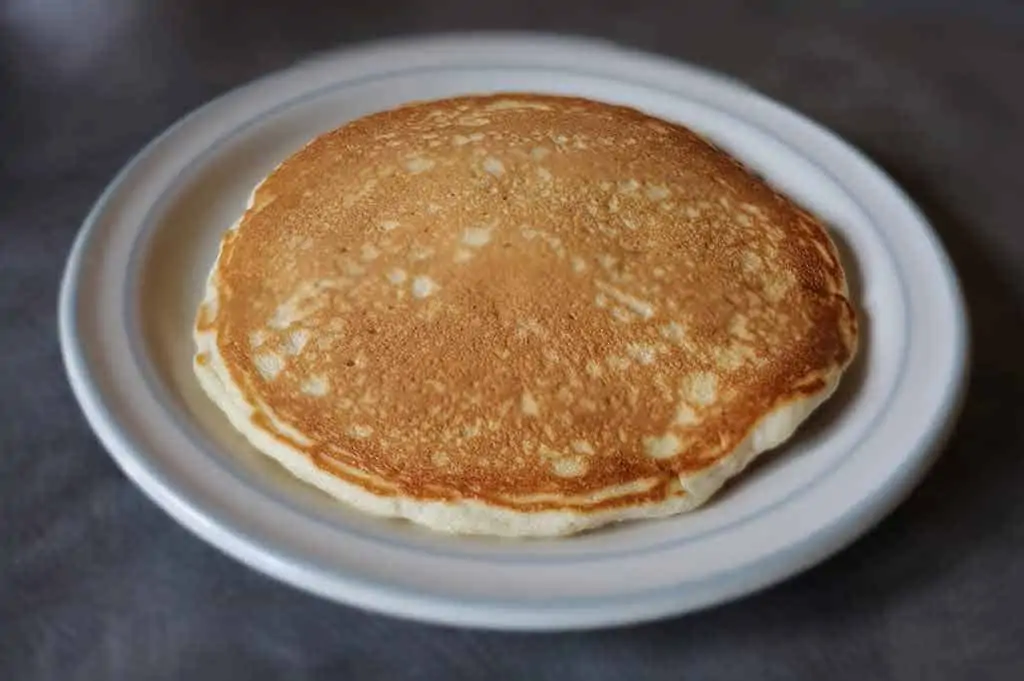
[{"x": 97, "y": 583}]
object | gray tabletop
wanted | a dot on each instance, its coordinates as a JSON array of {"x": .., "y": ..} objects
[{"x": 97, "y": 583}]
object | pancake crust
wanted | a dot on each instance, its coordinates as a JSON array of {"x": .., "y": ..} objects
[{"x": 522, "y": 315}]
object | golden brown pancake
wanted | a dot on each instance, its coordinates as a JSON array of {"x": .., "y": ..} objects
[{"x": 520, "y": 315}]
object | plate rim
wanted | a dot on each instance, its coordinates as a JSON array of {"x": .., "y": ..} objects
[{"x": 410, "y": 603}]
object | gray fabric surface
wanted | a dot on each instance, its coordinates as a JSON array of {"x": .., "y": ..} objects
[{"x": 97, "y": 583}]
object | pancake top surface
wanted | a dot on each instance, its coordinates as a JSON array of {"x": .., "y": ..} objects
[{"x": 523, "y": 299}]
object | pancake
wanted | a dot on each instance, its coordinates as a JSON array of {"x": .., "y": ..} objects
[{"x": 520, "y": 315}]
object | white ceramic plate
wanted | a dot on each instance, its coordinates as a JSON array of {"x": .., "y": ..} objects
[{"x": 135, "y": 275}]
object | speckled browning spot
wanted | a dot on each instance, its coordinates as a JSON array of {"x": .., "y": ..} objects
[
  {"x": 257, "y": 338},
  {"x": 360, "y": 431},
  {"x": 701, "y": 387},
  {"x": 419, "y": 164},
  {"x": 662, "y": 446},
  {"x": 494, "y": 166},
  {"x": 475, "y": 237},
  {"x": 642, "y": 353},
  {"x": 369, "y": 252},
  {"x": 656, "y": 192},
  {"x": 269, "y": 365},
  {"x": 315, "y": 386},
  {"x": 423, "y": 286},
  {"x": 569, "y": 466},
  {"x": 296, "y": 342},
  {"x": 674, "y": 332},
  {"x": 528, "y": 405}
]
